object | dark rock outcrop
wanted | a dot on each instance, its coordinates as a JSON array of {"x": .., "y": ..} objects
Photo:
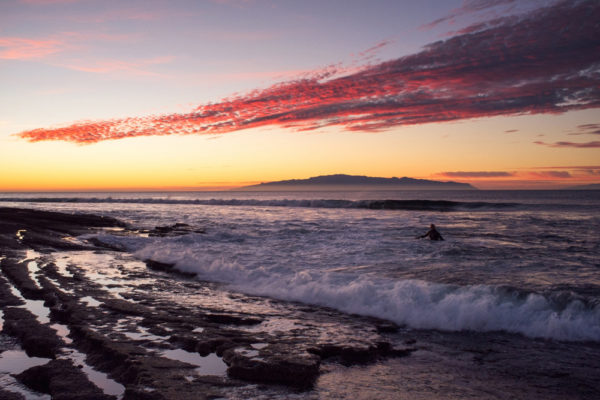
[
  {"x": 37, "y": 339},
  {"x": 275, "y": 365},
  {"x": 177, "y": 229},
  {"x": 18, "y": 273},
  {"x": 63, "y": 381},
  {"x": 42, "y": 230},
  {"x": 6, "y": 395},
  {"x": 6, "y": 297},
  {"x": 159, "y": 266}
]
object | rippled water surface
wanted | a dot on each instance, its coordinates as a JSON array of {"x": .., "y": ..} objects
[{"x": 517, "y": 261}]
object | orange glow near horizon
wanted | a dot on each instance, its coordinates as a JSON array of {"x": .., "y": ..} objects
[{"x": 189, "y": 163}]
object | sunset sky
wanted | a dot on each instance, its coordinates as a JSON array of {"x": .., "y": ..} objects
[{"x": 211, "y": 94}]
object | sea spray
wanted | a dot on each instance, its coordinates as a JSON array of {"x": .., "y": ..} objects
[
  {"x": 411, "y": 302},
  {"x": 529, "y": 268}
]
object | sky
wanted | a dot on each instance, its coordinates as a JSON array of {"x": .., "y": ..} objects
[{"x": 217, "y": 94}]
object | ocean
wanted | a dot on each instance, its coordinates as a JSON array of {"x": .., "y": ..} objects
[{"x": 523, "y": 266}]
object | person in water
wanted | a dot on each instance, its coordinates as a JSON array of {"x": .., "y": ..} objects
[{"x": 432, "y": 234}]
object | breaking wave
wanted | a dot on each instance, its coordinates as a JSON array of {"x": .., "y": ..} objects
[
  {"x": 415, "y": 303},
  {"x": 560, "y": 315}
]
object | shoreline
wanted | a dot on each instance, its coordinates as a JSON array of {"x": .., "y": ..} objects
[
  {"x": 122, "y": 324},
  {"x": 83, "y": 320}
]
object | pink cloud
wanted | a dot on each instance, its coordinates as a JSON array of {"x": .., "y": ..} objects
[
  {"x": 15, "y": 48},
  {"x": 18, "y": 48},
  {"x": 517, "y": 66},
  {"x": 42, "y": 49},
  {"x": 138, "y": 67},
  {"x": 374, "y": 49}
]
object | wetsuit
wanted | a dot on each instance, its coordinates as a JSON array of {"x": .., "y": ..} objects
[{"x": 433, "y": 234}]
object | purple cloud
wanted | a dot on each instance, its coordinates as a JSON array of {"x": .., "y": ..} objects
[
  {"x": 551, "y": 174},
  {"x": 587, "y": 129},
  {"x": 586, "y": 145},
  {"x": 468, "y": 7}
]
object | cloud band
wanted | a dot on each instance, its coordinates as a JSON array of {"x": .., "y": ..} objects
[{"x": 547, "y": 61}]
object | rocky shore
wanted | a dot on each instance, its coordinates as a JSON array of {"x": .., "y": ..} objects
[{"x": 99, "y": 324}]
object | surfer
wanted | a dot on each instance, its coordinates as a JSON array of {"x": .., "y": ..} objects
[{"x": 432, "y": 234}]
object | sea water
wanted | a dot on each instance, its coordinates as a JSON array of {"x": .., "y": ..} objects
[{"x": 525, "y": 262}]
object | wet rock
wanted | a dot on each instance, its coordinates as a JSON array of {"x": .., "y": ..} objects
[
  {"x": 125, "y": 307},
  {"x": 107, "y": 354},
  {"x": 132, "y": 364},
  {"x": 6, "y": 296},
  {"x": 186, "y": 342},
  {"x": 99, "y": 243},
  {"x": 42, "y": 241},
  {"x": 386, "y": 327},
  {"x": 6, "y": 395},
  {"x": 37, "y": 339},
  {"x": 177, "y": 229},
  {"x": 232, "y": 319},
  {"x": 401, "y": 352},
  {"x": 141, "y": 394},
  {"x": 157, "y": 330},
  {"x": 57, "y": 221},
  {"x": 358, "y": 353},
  {"x": 51, "y": 270},
  {"x": 70, "y": 312},
  {"x": 279, "y": 366},
  {"x": 158, "y": 266},
  {"x": 214, "y": 344},
  {"x": 206, "y": 347},
  {"x": 347, "y": 355},
  {"x": 145, "y": 375},
  {"x": 63, "y": 381},
  {"x": 42, "y": 230},
  {"x": 19, "y": 274},
  {"x": 185, "y": 391}
]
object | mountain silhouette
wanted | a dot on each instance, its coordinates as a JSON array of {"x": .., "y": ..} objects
[{"x": 342, "y": 181}]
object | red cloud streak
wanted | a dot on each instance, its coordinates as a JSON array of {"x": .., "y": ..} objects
[{"x": 547, "y": 61}]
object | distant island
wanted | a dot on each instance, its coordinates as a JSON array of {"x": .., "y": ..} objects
[
  {"x": 357, "y": 182},
  {"x": 591, "y": 186}
]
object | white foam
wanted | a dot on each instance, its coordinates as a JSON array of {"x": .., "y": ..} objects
[{"x": 415, "y": 303}]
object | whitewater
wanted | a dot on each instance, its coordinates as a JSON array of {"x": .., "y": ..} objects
[{"x": 518, "y": 262}]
